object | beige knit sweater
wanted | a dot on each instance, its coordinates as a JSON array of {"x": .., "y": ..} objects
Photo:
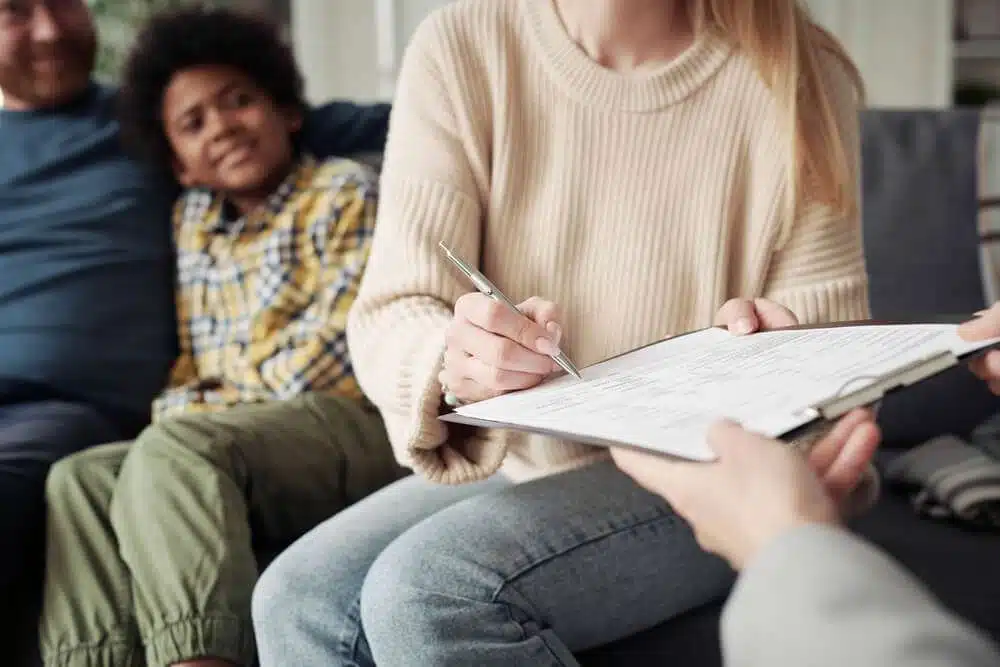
[{"x": 639, "y": 202}]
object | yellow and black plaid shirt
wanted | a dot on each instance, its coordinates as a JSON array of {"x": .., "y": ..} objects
[{"x": 262, "y": 300}]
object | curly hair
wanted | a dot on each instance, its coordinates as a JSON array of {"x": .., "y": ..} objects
[{"x": 192, "y": 37}]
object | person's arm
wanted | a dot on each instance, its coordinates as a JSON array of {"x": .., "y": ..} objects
[
  {"x": 341, "y": 233},
  {"x": 186, "y": 391},
  {"x": 819, "y": 596},
  {"x": 344, "y": 129},
  {"x": 432, "y": 190}
]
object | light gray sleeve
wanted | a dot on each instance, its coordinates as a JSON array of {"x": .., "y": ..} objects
[{"x": 821, "y": 597}]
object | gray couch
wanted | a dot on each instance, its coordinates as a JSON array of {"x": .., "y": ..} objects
[{"x": 920, "y": 212}]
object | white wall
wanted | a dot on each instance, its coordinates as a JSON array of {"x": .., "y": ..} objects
[
  {"x": 903, "y": 47},
  {"x": 337, "y": 43}
]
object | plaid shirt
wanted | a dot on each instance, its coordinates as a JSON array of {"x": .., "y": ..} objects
[{"x": 262, "y": 301}]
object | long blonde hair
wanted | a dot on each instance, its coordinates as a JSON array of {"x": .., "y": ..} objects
[{"x": 787, "y": 49}]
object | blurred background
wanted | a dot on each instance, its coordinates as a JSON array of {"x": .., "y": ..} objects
[{"x": 914, "y": 54}]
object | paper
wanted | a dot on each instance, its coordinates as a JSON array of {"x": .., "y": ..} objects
[{"x": 665, "y": 396}]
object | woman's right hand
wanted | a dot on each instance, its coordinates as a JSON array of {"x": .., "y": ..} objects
[{"x": 492, "y": 351}]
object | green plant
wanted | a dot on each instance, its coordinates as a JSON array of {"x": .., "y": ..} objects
[{"x": 117, "y": 22}]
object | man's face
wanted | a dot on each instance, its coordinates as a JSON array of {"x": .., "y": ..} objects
[
  {"x": 47, "y": 51},
  {"x": 226, "y": 133}
]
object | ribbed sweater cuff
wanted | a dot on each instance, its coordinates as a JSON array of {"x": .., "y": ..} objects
[
  {"x": 431, "y": 449},
  {"x": 841, "y": 300}
]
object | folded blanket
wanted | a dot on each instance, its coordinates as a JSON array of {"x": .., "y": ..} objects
[{"x": 947, "y": 478}]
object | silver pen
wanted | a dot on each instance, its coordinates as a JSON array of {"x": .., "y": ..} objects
[{"x": 484, "y": 286}]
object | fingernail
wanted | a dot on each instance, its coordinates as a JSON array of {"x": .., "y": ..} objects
[
  {"x": 555, "y": 331},
  {"x": 546, "y": 346},
  {"x": 743, "y": 326}
]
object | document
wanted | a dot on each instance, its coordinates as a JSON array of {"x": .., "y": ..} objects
[{"x": 665, "y": 396}]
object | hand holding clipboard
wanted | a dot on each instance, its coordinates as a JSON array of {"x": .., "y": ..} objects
[{"x": 789, "y": 384}]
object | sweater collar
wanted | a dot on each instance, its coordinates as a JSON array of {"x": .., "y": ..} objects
[{"x": 593, "y": 84}]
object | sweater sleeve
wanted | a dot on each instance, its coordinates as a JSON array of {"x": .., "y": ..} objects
[
  {"x": 819, "y": 596},
  {"x": 431, "y": 191},
  {"x": 819, "y": 269}
]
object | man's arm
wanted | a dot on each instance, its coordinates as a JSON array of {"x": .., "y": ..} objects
[
  {"x": 819, "y": 596},
  {"x": 345, "y": 129}
]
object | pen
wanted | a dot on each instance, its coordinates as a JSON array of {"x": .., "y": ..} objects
[{"x": 484, "y": 286}]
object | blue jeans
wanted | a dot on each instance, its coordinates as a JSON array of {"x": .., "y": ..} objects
[{"x": 485, "y": 574}]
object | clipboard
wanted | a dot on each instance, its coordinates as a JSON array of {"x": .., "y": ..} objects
[{"x": 816, "y": 418}]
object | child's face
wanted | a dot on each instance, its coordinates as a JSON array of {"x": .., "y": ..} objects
[{"x": 227, "y": 134}]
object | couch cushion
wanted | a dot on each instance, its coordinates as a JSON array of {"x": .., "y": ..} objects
[
  {"x": 920, "y": 206},
  {"x": 920, "y": 209}
]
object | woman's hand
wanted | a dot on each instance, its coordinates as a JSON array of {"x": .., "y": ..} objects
[
  {"x": 745, "y": 316},
  {"x": 492, "y": 351}
]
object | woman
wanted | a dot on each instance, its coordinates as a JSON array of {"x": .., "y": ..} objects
[{"x": 638, "y": 163}]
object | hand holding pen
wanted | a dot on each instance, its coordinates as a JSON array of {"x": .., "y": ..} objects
[{"x": 495, "y": 346}]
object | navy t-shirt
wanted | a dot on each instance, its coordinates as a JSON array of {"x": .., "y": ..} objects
[{"x": 86, "y": 267}]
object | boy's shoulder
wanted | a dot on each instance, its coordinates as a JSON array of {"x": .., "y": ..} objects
[{"x": 341, "y": 173}]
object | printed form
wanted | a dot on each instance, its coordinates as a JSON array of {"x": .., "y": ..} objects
[{"x": 665, "y": 396}]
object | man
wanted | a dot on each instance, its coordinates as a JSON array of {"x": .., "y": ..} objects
[
  {"x": 87, "y": 322},
  {"x": 809, "y": 592}
]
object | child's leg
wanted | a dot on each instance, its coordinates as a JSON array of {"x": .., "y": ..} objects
[
  {"x": 196, "y": 494},
  {"x": 86, "y": 614}
]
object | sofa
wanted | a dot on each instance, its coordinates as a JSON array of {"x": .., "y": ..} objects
[
  {"x": 921, "y": 201},
  {"x": 922, "y": 245},
  {"x": 920, "y": 210}
]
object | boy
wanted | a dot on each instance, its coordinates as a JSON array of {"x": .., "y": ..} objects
[{"x": 263, "y": 431}]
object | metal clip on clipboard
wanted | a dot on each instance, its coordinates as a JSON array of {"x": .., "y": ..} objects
[
  {"x": 876, "y": 389},
  {"x": 823, "y": 415}
]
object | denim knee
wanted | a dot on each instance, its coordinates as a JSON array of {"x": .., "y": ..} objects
[
  {"x": 274, "y": 600},
  {"x": 427, "y": 601},
  {"x": 304, "y": 615}
]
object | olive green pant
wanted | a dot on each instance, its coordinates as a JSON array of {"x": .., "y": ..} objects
[{"x": 151, "y": 544}]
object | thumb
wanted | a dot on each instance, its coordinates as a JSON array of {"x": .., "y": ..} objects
[
  {"x": 773, "y": 315},
  {"x": 739, "y": 316},
  {"x": 726, "y": 438},
  {"x": 545, "y": 313},
  {"x": 987, "y": 325}
]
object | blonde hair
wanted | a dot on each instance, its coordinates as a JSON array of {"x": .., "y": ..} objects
[{"x": 787, "y": 49}]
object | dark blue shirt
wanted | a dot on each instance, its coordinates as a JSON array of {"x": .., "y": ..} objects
[{"x": 86, "y": 258}]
